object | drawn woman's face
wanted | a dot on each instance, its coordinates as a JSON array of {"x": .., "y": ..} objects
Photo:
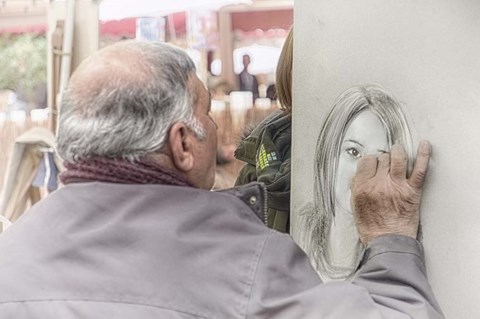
[{"x": 365, "y": 135}]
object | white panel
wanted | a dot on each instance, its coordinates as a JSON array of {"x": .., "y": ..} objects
[{"x": 427, "y": 53}]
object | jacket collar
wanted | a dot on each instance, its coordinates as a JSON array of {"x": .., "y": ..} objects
[{"x": 254, "y": 195}]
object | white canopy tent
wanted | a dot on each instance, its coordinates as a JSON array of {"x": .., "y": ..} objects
[
  {"x": 263, "y": 59},
  {"x": 116, "y": 10}
]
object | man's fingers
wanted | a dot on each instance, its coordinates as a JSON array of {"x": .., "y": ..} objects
[
  {"x": 421, "y": 164},
  {"x": 383, "y": 164},
  {"x": 398, "y": 163},
  {"x": 366, "y": 168}
]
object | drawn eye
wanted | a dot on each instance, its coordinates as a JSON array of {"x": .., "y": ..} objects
[{"x": 352, "y": 151}]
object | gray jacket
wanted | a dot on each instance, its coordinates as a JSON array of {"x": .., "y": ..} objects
[{"x": 100, "y": 250}]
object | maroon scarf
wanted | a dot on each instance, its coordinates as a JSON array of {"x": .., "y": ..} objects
[{"x": 120, "y": 171}]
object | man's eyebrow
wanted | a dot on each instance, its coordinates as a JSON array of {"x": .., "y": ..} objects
[{"x": 353, "y": 141}]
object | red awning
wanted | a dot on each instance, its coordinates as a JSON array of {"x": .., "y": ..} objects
[
  {"x": 265, "y": 20},
  {"x": 248, "y": 21},
  {"x": 122, "y": 28},
  {"x": 125, "y": 27}
]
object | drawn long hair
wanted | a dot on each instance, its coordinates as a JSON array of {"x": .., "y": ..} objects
[{"x": 317, "y": 221}]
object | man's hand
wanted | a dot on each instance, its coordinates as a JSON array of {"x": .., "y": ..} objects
[{"x": 384, "y": 200}]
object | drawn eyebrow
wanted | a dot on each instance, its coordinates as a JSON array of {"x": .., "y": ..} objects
[{"x": 353, "y": 141}]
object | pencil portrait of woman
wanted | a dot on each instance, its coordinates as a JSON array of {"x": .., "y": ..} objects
[{"x": 364, "y": 119}]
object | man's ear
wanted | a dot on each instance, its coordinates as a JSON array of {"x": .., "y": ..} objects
[{"x": 181, "y": 147}]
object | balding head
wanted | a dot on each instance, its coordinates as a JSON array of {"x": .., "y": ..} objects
[
  {"x": 113, "y": 68},
  {"x": 121, "y": 101}
]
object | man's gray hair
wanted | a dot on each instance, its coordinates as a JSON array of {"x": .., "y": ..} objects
[{"x": 126, "y": 112}]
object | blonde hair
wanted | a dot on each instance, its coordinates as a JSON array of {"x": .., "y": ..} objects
[{"x": 283, "y": 80}]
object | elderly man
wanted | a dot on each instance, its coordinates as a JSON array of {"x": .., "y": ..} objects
[{"x": 136, "y": 233}]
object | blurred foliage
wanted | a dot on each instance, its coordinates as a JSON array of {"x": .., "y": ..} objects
[{"x": 23, "y": 63}]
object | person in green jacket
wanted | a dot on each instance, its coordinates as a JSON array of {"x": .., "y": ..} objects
[{"x": 266, "y": 150}]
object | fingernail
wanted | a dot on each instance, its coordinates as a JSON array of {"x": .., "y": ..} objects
[{"x": 425, "y": 147}]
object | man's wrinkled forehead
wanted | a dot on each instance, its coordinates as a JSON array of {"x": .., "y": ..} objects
[{"x": 196, "y": 87}]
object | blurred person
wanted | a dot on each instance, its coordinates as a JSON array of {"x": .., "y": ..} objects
[
  {"x": 266, "y": 149},
  {"x": 246, "y": 80},
  {"x": 272, "y": 92},
  {"x": 137, "y": 233},
  {"x": 16, "y": 102}
]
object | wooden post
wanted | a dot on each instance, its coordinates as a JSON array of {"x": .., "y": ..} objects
[{"x": 56, "y": 56}]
